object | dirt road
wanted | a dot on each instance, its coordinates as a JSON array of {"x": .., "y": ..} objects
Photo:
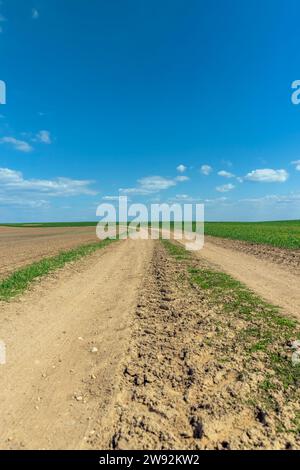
[
  {"x": 21, "y": 246},
  {"x": 65, "y": 339},
  {"x": 189, "y": 379},
  {"x": 277, "y": 285}
]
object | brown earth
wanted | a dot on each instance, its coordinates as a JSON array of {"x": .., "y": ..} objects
[
  {"x": 120, "y": 351},
  {"x": 64, "y": 341},
  {"x": 277, "y": 284},
  {"x": 188, "y": 381},
  {"x": 22, "y": 246},
  {"x": 285, "y": 258}
]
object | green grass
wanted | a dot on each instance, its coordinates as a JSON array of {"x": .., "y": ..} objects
[
  {"x": 176, "y": 250},
  {"x": 20, "y": 280},
  {"x": 282, "y": 234},
  {"x": 265, "y": 330}
]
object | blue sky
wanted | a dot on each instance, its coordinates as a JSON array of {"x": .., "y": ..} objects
[{"x": 164, "y": 101}]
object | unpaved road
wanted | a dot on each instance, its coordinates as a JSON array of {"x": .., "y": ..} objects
[
  {"x": 53, "y": 388},
  {"x": 275, "y": 284},
  {"x": 283, "y": 257},
  {"x": 189, "y": 381},
  {"x": 119, "y": 351},
  {"x": 22, "y": 246}
]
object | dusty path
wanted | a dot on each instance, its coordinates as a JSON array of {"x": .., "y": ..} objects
[
  {"x": 55, "y": 386},
  {"x": 269, "y": 280},
  {"x": 191, "y": 379},
  {"x": 283, "y": 257}
]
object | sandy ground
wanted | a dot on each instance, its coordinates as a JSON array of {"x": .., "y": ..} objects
[
  {"x": 188, "y": 380},
  {"x": 283, "y": 257},
  {"x": 22, "y": 246},
  {"x": 54, "y": 385},
  {"x": 269, "y": 280},
  {"x": 116, "y": 351}
]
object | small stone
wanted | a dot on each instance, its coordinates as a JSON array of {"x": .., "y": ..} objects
[
  {"x": 261, "y": 416},
  {"x": 78, "y": 398},
  {"x": 164, "y": 307},
  {"x": 186, "y": 435},
  {"x": 94, "y": 350},
  {"x": 197, "y": 427},
  {"x": 295, "y": 344}
]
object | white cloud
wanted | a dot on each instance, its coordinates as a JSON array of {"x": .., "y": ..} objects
[
  {"x": 206, "y": 170},
  {"x": 182, "y": 196},
  {"x": 181, "y": 178},
  {"x": 111, "y": 198},
  {"x": 2, "y": 20},
  {"x": 226, "y": 174},
  {"x": 20, "y": 145},
  {"x": 150, "y": 185},
  {"x": 274, "y": 198},
  {"x": 44, "y": 137},
  {"x": 22, "y": 202},
  {"x": 13, "y": 182},
  {"x": 227, "y": 163},
  {"x": 35, "y": 14},
  {"x": 297, "y": 164},
  {"x": 267, "y": 175},
  {"x": 181, "y": 168},
  {"x": 225, "y": 188}
]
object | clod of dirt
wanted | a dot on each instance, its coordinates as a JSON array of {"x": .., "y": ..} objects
[
  {"x": 164, "y": 307},
  {"x": 261, "y": 416},
  {"x": 197, "y": 426}
]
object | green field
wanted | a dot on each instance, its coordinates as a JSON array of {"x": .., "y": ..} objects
[{"x": 283, "y": 234}]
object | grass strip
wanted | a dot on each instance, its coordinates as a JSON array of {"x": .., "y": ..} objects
[
  {"x": 253, "y": 326},
  {"x": 20, "y": 280}
]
